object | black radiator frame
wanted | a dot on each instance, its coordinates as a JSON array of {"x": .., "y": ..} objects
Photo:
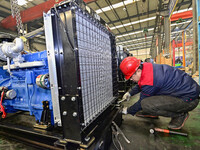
[{"x": 68, "y": 73}]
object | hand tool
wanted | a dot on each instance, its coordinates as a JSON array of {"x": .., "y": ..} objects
[
  {"x": 121, "y": 101},
  {"x": 167, "y": 131}
]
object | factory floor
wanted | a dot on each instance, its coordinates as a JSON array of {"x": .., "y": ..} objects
[{"x": 137, "y": 129}]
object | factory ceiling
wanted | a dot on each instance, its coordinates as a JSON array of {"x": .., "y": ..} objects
[{"x": 134, "y": 22}]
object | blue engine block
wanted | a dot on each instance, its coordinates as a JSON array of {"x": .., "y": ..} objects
[{"x": 30, "y": 96}]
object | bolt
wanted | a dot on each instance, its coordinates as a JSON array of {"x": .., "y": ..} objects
[
  {"x": 64, "y": 113},
  {"x": 87, "y": 139},
  {"x": 79, "y": 88},
  {"x": 62, "y": 98},
  {"x": 74, "y": 114},
  {"x": 73, "y": 99}
]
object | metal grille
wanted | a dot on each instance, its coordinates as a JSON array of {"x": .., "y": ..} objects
[{"x": 95, "y": 66}]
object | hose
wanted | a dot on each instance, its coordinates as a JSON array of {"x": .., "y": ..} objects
[{"x": 2, "y": 108}]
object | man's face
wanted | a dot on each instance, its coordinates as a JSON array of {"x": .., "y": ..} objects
[{"x": 136, "y": 76}]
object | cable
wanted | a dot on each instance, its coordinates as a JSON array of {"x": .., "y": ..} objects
[
  {"x": 114, "y": 136},
  {"x": 114, "y": 142},
  {"x": 2, "y": 108}
]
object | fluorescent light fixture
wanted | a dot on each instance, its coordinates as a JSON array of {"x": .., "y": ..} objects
[
  {"x": 134, "y": 40},
  {"x": 22, "y": 2},
  {"x": 132, "y": 33},
  {"x": 138, "y": 44},
  {"x": 177, "y": 31},
  {"x": 140, "y": 47},
  {"x": 183, "y": 10},
  {"x": 175, "y": 24},
  {"x": 132, "y": 23},
  {"x": 117, "y": 5}
]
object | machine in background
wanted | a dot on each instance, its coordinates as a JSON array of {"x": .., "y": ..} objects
[
  {"x": 124, "y": 85},
  {"x": 70, "y": 89}
]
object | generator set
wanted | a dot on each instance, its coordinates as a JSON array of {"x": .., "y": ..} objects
[
  {"x": 69, "y": 90},
  {"x": 26, "y": 87}
]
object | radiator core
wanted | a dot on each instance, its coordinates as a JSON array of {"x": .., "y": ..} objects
[{"x": 95, "y": 62}]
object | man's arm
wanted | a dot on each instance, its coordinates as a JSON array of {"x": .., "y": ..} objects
[{"x": 136, "y": 89}]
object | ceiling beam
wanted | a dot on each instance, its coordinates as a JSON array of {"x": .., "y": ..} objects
[
  {"x": 183, "y": 15},
  {"x": 89, "y": 1},
  {"x": 145, "y": 13},
  {"x": 29, "y": 14}
]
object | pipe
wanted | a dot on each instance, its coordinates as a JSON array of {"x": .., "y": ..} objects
[
  {"x": 34, "y": 33},
  {"x": 19, "y": 45},
  {"x": 8, "y": 64},
  {"x": 13, "y": 49},
  {"x": 2, "y": 57}
]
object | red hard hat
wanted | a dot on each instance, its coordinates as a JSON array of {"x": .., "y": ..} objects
[{"x": 129, "y": 65}]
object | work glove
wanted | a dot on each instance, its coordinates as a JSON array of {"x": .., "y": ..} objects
[
  {"x": 126, "y": 96},
  {"x": 124, "y": 111}
]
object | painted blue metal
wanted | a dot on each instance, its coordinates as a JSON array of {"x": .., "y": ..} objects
[
  {"x": 3, "y": 74},
  {"x": 29, "y": 94}
]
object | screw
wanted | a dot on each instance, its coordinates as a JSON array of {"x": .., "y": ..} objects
[
  {"x": 74, "y": 114},
  {"x": 73, "y": 99},
  {"x": 64, "y": 113},
  {"x": 62, "y": 98}
]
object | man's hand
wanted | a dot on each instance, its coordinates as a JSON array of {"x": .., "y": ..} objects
[{"x": 126, "y": 96}]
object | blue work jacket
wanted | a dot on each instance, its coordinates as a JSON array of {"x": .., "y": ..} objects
[{"x": 159, "y": 79}]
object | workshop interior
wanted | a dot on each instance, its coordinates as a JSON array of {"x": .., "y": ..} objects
[{"x": 61, "y": 86}]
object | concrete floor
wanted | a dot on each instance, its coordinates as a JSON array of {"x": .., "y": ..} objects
[
  {"x": 137, "y": 131},
  {"x": 8, "y": 144}
]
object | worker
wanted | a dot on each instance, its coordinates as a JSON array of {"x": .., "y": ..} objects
[{"x": 164, "y": 91}]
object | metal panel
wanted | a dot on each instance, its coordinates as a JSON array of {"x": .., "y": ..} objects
[{"x": 52, "y": 67}]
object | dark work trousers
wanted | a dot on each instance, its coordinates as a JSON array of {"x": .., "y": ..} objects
[{"x": 167, "y": 106}]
